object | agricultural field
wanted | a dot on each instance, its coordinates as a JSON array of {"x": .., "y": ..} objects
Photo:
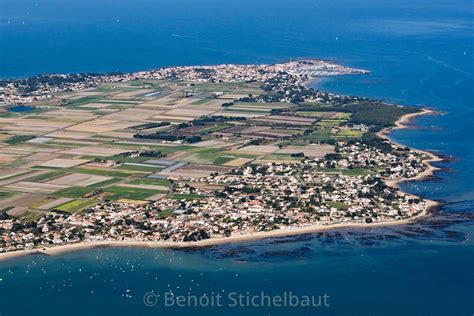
[
  {"x": 347, "y": 133},
  {"x": 77, "y": 205},
  {"x": 325, "y": 115},
  {"x": 130, "y": 141}
]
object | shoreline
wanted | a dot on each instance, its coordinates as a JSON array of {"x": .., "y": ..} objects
[
  {"x": 401, "y": 123},
  {"x": 289, "y": 231},
  {"x": 284, "y": 232}
]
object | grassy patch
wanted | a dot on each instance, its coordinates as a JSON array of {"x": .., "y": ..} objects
[
  {"x": 330, "y": 123},
  {"x": 162, "y": 182},
  {"x": 202, "y": 155},
  {"x": 339, "y": 205},
  {"x": 84, "y": 100},
  {"x": 356, "y": 172},
  {"x": 77, "y": 205},
  {"x": 105, "y": 183},
  {"x": 105, "y": 89},
  {"x": 322, "y": 134},
  {"x": 346, "y": 172},
  {"x": 19, "y": 139},
  {"x": 333, "y": 116},
  {"x": 249, "y": 110},
  {"x": 213, "y": 129},
  {"x": 201, "y": 101},
  {"x": 349, "y": 133},
  {"x": 165, "y": 213},
  {"x": 46, "y": 176},
  {"x": 8, "y": 114},
  {"x": 148, "y": 169},
  {"x": 267, "y": 106},
  {"x": 120, "y": 102},
  {"x": 74, "y": 192},
  {"x": 222, "y": 160},
  {"x": 102, "y": 172},
  {"x": 4, "y": 195},
  {"x": 118, "y": 192},
  {"x": 311, "y": 114},
  {"x": 239, "y": 154},
  {"x": 28, "y": 216}
]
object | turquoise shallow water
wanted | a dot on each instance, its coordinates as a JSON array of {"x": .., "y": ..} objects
[{"x": 419, "y": 52}]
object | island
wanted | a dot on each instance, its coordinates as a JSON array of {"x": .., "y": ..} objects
[{"x": 197, "y": 155}]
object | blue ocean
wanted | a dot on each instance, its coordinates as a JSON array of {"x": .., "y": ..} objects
[{"x": 419, "y": 52}]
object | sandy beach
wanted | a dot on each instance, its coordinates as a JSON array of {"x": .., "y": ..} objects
[
  {"x": 402, "y": 123},
  {"x": 289, "y": 231}
]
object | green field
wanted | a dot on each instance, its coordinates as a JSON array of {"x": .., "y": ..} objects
[
  {"x": 349, "y": 133},
  {"x": 339, "y": 205},
  {"x": 356, "y": 172},
  {"x": 18, "y": 139},
  {"x": 46, "y": 176},
  {"x": 77, "y": 205},
  {"x": 311, "y": 114},
  {"x": 8, "y": 114},
  {"x": 162, "y": 182},
  {"x": 147, "y": 169},
  {"x": 165, "y": 214},
  {"x": 248, "y": 110},
  {"x": 95, "y": 126},
  {"x": 84, "y": 100},
  {"x": 226, "y": 87},
  {"x": 104, "y": 172},
  {"x": 330, "y": 123},
  {"x": 222, "y": 160},
  {"x": 105, "y": 183},
  {"x": 4, "y": 195},
  {"x": 203, "y": 155},
  {"x": 336, "y": 115},
  {"x": 322, "y": 134},
  {"x": 30, "y": 216},
  {"x": 239, "y": 154},
  {"x": 213, "y": 129},
  {"x": 74, "y": 192},
  {"x": 266, "y": 106},
  {"x": 117, "y": 192},
  {"x": 201, "y": 101}
]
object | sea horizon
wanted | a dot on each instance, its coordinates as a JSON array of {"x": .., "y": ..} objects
[{"x": 418, "y": 53}]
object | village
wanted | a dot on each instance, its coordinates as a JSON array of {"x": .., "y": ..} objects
[
  {"x": 253, "y": 199},
  {"x": 289, "y": 75}
]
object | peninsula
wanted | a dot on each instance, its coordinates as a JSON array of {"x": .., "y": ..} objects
[{"x": 197, "y": 155}]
